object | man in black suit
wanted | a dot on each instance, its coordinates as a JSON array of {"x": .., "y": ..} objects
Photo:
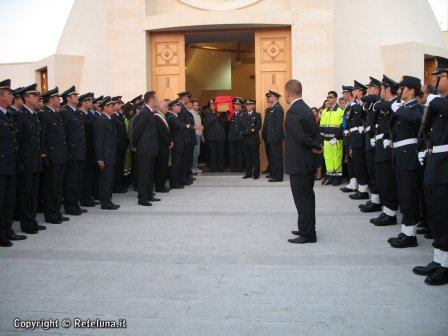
[
  {"x": 164, "y": 146},
  {"x": 122, "y": 144},
  {"x": 84, "y": 106},
  {"x": 8, "y": 167},
  {"x": 302, "y": 144},
  {"x": 105, "y": 153},
  {"x": 236, "y": 153},
  {"x": 29, "y": 128},
  {"x": 74, "y": 123},
  {"x": 144, "y": 139},
  {"x": 54, "y": 156},
  {"x": 215, "y": 133},
  {"x": 251, "y": 139},
  {"x": 190, "y": 137},
  {"x": 274, "y": 136}
]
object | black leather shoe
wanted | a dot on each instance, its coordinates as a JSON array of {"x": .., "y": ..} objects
[
  {"x": 5, "y": 243},
  {"x": 296, "y": 233},
  {"x": 81, "y": 210},
  {"x": 372, "y": 207},
  {"x": 177, "y": 187},
  {"x": 64, "y": 219},
  {"x": 274, "y": 180},
  {"x": 247, "y": 176},
  {"x": 162, "y": 190},
  {"x": 386, "y": 220},
  {"x": 268, "y": 176},
  {"x": 256, "y": 176},
  {"x": 33, "y": 231},
  {"x": 324, "y": 181},
  {"x": 15, "y": 236},
  {"x": 121, "y": 191},
  {"x": 364, "y": 205},
  {"x": 53, "y": 221},
  {"x": 438, "y": 278},
  {"x": 302, "y": 240},
  {"x": 110, "y": 207},
  {"x": 73, "y": 212},
  {"x": 347, "y": 190},
  {"x": 186, "y": 183},
  {"x": 426, "y": 270},
  {"x": 376, "y": 219},
  {"x": 404, "y": 241},
  {"x": 153, "y": 199},
  {"x": 336, "y": 182},
  {"x": 429, "y": 236},
  {"x": 423, "y": 230},
  {"x": 144, "y": 203},
  {"x": 41, "y": 227},
  {"x": 400, "y": 235},
  {"x": 359, "y": 195}
]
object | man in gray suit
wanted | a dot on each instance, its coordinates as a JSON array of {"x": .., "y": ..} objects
[{"x": 302, "y": 144}]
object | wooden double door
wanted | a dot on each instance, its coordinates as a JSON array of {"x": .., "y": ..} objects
[{"x": 272, "y": 65}]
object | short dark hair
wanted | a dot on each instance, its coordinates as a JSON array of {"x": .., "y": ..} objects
[
  {"x": 294, "y": 86},
  {"x": 333, "y": 93},
  {"x": 148, "y": 96}
]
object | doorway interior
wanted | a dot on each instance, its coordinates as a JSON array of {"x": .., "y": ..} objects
[{"x": 220, "y": 64}]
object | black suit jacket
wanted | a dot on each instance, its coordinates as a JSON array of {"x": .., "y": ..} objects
[
  {"x": 214, "y": 126},
  {"x": 53, "y": 142},
  {"x": 177, "y": 128},
  {"x": 144, "y": 136},
  {"x": 89, "y": 126},
  {"x": 8, "y": 145},
  {"x": 186, "y": 117},
  {"x": 250, "y": 128},
  {"x": 235, "y": 125},
  {"x": 120, "y": 128},
  {"x": 274, "y": 130},
  {"x": 28, "y": 126},
  {"x": 74, "y": 133},
  {"x": 301, "y": 135},
  {"x": 105, "y": 141},
  {"x": 163, "y": 134}
]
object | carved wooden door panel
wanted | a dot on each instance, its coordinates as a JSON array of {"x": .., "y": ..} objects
[
  {"x": 167, "y": 64},
  {"x": 272, "y": 69}
]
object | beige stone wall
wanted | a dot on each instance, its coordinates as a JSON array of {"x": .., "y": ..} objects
[{"x": 21, "y": 74}]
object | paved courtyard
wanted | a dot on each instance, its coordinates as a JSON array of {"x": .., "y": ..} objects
[{"x": 213, "y": 259}]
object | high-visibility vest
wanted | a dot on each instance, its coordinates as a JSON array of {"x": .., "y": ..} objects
[{"x": 330, "y": 122}]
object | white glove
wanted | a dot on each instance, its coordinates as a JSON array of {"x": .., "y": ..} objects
[
  {"x": 333, "y": 141},
  {"x": 422, "y": 156},
  {"x": 372, "y": 142},
  {"x": 395, "y": 106},
  {"x": 360, "y": 129},
  {"x": 430, "y": 98},
  {"x": 386, "y": 143}
]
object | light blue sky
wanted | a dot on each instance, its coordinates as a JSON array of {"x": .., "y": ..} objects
[{"x": 44, "y": 21}]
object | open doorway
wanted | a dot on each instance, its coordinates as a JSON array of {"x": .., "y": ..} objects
[{"x": 220, "y": 64}]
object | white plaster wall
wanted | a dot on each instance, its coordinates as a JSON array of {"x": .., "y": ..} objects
[{"x": 21, "y": 74}]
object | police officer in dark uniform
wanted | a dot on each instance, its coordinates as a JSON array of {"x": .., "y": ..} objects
[
  {"x": 407, "y": 115},
  {"x": 356, "y": 122},
  {"x": 105, "y": 144},
  {"x": 144, "y": 139},
  {"x": 264, "y": 137},
  {"x": 344, "y": 134},
  {"x": 54, "y": 156},
  {"x": 122, "y": 144},
  {"x": 177, "y": 128},
  {"x": 275, "y": 135},
  {"x": 29, "y": 128},
  {"x": 215, "y": 123},
  {"x": 434, "y": 136},
  {"x": 236, "y": 153},
  {"x": 74, "y": 127},
  {"x": 84, "y": 106},
  {"x": 190, "y": 137},
  {"x": 251, "y": 139},
  {"x": 373, "y": 96},
  {"x": 384, "y": 167},
  {"x": 8, "y": 167},
  {"x": 164, "y": 146},
  {"x": 17, "y": 100}
]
